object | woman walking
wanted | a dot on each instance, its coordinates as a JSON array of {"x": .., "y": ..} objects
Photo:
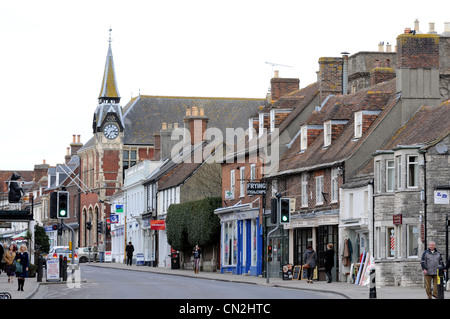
[
  {"x": 9, "y": 257},
  {"x": 22, "y": 258},
  {"x": 196, "y": 253},
  {"x": 310, "y": 257}
]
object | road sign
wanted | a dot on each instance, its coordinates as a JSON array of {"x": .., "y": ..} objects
[{"x": 114, "y": 219}]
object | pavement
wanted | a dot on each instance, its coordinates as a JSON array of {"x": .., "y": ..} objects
[{"x": 340, "y": 289}]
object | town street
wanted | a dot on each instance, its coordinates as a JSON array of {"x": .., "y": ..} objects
[{"x": 101, "y": 283}]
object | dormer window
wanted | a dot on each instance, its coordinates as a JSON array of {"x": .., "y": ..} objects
[
  {"x": 303, "y": 138},
  {"x": 358, "y": 124},
  {"x": 327, "y": 133}
]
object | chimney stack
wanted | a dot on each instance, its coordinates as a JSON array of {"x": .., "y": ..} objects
[
  {"x": 282, "y": 86},
  {"x": 75, "y": 145},
  {"x": 196, "y": 122},
  {"x": 330, "y": 77}
]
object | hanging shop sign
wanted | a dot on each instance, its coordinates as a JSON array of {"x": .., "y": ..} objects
[
  {"x": 256, "y": 188},
  {"x": 397, "y": 219}
]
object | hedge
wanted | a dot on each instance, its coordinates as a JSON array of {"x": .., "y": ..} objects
[{"x": 193, "y": 223}]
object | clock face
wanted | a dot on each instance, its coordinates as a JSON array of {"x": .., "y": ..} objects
[{"x": 111, "y": 131}]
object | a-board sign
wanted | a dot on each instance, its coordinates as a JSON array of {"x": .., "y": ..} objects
[
  {"x": 53, "y": 270},
  {"x": 297, "y": 270}
]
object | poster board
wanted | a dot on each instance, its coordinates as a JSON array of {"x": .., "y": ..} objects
[
  {"x": 305, "y": 274},
  {"x": 297, "y": 270},
  {"x": 52, "y": 270}
]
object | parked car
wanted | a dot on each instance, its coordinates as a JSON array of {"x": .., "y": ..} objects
[
  {"x": 56, "y": 251},
  {"x": 83, "y": 254}
]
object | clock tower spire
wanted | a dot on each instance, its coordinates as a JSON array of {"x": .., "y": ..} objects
[{"x": 108, "y": 109}]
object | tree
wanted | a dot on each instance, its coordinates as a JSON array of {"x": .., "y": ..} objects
[{"x": 41, "y": 241}]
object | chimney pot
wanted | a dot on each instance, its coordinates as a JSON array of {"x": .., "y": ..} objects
[
  {"x": 432, "y": 31},
  {"x": 276, "y": 74},
  {"x": 407, "y": 30},
  {"x": 73, "y": 136}
]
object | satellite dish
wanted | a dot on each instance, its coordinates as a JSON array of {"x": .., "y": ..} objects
[{"x": 441, "y": 148}]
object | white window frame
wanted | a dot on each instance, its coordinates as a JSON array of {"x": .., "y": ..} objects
[
  {"x": 378, "y": 176},
  {"x": 252, "y": 172},
  {"x": 303, "y": 138},
  {"x": 358, "y": 124},
  {"x": 319, "y": 190},
  {"x": 390, "y": 175},
  {"x": 334, "y": 185},
  {"x": 416, "y": 171},
  {"x": 304, "y": 190},
  {"x": 399, "y": 172},
  {"x": 327, "y": 133},
  {"x": 242, "y": 182}
]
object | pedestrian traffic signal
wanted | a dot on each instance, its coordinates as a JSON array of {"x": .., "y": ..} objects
[
  {"x": 62, "y": 204},
  {"x": 285, "y": 210}
]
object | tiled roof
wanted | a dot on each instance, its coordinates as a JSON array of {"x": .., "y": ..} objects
[
  {"x": 426, "y": 126},
  {"x": 380, "y": 97},
  {"x": 145, "y": 114}
]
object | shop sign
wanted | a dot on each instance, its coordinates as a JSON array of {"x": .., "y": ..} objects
[
  {"x": 256, "y": 188},
  {"x": 158, "y": 225},
  {"x": 119, "y": 208},
  {"x": 397, "y": 219},
  {"x": 441, "y": 197}
]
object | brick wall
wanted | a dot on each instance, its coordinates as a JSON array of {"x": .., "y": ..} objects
[
  {"x": 330, "y": 76},
  {"x": 283, "y": 86},
  {"x": 418, "y": 51}
]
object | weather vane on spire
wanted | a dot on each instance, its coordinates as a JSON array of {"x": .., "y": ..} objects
[{"x": 110, "y": 30}]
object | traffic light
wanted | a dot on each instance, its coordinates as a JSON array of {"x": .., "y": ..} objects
[
  {"x": 285, "y": 210},
  {"x": 99, "y": 227},
  {"x": 273, "y": 210},
  {"x": 53, "y": 204},
  {"x": 269, "y": 253},
  {"x": 62, "y": 205}
]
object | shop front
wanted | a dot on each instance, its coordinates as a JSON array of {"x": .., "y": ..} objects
[{"x": 241, "y": 240}]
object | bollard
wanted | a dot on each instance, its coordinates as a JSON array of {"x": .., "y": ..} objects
[
  {"x": 39, "y": 269},
  {"x": 64, "y": 276},
  {"x": 373, "y": 289},
  {"x": 440, "y": 282},
  {"x": 60, "y": 266}
]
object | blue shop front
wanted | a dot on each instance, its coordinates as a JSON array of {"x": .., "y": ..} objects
[{"x": 241, "y": 240}]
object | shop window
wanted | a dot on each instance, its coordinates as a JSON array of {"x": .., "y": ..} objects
[
  {"x": 391, "y": 242},
  {"x": 230, "y": 243},
  {"x": 413, "y": 240}
]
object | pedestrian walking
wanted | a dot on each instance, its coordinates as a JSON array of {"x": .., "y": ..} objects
[
  {"x": 129, "y": 250},
  {"x": 101, "y": 251},
  {"x": 431, "y": 260},
  {"x": 9, "y": 258},
  {"x": 95, "y": 251},
  {"x": 329, "y": 262},
  {"x": 23, "y": 260},
  {"x": 2, "y": 252},
  {"x": 310, "y": 257},
  {"x": 197, "y": 254}
]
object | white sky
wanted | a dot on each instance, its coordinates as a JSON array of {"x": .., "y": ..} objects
[{"x": 52, "y": 55}]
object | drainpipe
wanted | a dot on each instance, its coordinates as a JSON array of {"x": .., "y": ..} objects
[
  {"x": 425, "y": 194},
  {"x": 371, "y": 183}
]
